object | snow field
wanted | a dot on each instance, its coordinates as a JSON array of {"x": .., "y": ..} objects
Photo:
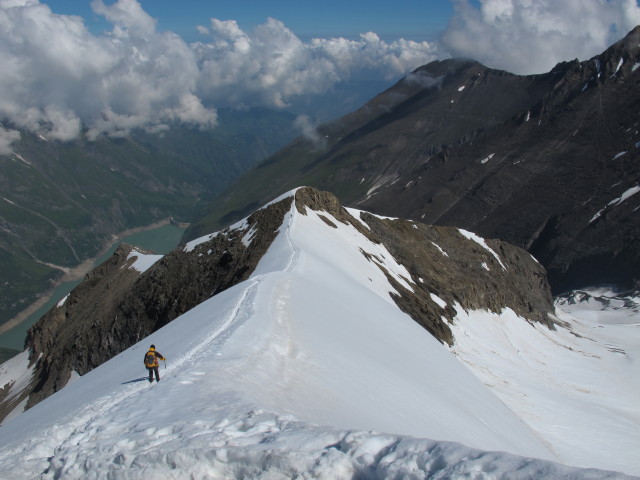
[
  {"x": 576, "y": 386},
  {"x": 296, "y": 373},
  {"x": 16, "y": 373}
]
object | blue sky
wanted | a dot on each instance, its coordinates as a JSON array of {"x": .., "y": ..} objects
[{"x": 410, "y": 19}]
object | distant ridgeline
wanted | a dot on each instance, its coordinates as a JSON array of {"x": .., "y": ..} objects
[
  {"x": 63, "y": 202},
  {"x": 547, "y": 162}
]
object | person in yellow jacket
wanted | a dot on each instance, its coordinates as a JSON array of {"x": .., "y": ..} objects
[{"x": 151, "y": 362}]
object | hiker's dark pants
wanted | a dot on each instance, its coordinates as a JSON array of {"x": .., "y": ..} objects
[{"x": 151, "y": 370}]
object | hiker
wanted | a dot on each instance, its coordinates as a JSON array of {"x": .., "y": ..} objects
[{"x": 151, "y": 362}]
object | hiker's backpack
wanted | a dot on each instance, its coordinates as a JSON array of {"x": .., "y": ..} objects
[{"x": 150, "y": 359}]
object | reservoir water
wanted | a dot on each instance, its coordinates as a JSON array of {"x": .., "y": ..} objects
[{"x": 160, "y": 240}]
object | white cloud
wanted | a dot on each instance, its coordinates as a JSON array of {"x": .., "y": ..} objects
[
  {"x": 62, "y": 124},
  {"x": 126, "y": 13},
  {"x": 58, "y": 78},
  {"x": 7, "y": 137},
  {"x": 308, "y": 130},
  {"x": 271, "y": 66},
  {"x": 532, "y": 36}
]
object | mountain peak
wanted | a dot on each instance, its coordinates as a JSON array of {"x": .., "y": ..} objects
[
  {"x": 621, "y": 59},
  {"x": 632, "y": 38},
  {"x": 531, "y": 160}
]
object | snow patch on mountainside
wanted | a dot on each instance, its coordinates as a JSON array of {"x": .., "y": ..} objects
[
  {"x": 143, "y": 261},
  {"x": 481, "y": 241},
  {"x": 486, "y": 159},
  {"x": 382, "y": 181},
  {"x": 440, "y": 249},
  {"x": 62, "y": 301},
  {"x": 248, "y": 237},
  {"x": 616, "y": 201},
  {"x": 620, "y": 62}
]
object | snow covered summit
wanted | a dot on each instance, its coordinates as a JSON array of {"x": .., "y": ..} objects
[{"x": 308, "y": 366}]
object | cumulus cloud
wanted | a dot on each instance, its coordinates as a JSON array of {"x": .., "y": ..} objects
[
  {"x": 126, "y": 13},
  {"x": 424, "y": 80},
  {"x": 60, "y": 80},
  {"x": 271, "y": 65},
  {"x": 532, "y": 36},
  {"x": 308, "y": 129},
  {"x": 7, "y": 137}
]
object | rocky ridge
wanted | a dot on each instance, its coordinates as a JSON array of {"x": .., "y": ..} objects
[
  {"x": 546, "y": 162},
  {"x": 117, "y": 305}
]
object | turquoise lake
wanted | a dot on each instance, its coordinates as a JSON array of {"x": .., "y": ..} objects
[{"x": 160, "y": 240}]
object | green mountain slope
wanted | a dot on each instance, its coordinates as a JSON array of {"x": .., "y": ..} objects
[{"x": 60, "y": 203}]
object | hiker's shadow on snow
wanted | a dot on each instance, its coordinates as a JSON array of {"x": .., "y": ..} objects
[{"x": 141, "y": 379}]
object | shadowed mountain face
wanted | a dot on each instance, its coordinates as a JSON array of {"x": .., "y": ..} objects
[{"x": 550, "y": 162}]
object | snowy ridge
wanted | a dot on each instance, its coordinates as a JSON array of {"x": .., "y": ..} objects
[
  {"x": 307, "y": 369},
  {"x": 240, "y": 225}
]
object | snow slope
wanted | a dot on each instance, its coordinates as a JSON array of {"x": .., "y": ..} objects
[
  {"x": 306, "y": 369},
  {"x": 576, "y": 386}
]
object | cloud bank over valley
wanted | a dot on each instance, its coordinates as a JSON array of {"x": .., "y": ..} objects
[
  {"x": 60, "y": 80},
  {"x": 532, "y": 36}
]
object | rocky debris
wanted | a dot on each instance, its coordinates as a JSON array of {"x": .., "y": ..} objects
[{"x": 116, "y": 305}]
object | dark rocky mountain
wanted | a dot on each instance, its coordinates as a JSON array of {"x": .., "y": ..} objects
[
  {"x": 547, "y": 162},
  {"x": 62, "y": 202},
  {"x": 116, "y": 305}
]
